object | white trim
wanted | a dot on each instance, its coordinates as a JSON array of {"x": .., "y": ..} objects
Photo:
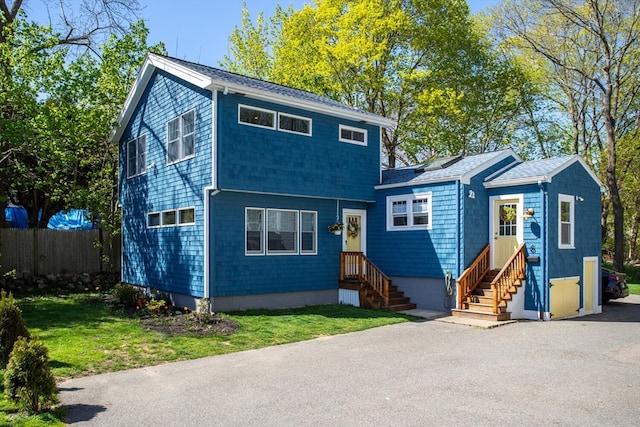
[
  {"x": 596, "y": 288},
  {"x": 572, "y": 221},
  {"x": 315, "y": 232},
  {"x": 519, "y": 224},
  {"x": 159, "y": 220},
  {"x": 409, "y": 199},
  {"x": 175, "y": 217},
  {"x": 352, "y": 129},
  {"x": 263, "y": 232},
  {"x": 293, "y": 116},
  {"x": 264, "y": 110},
  {"x": 179, "y": 210},
  {"x": 363, "y": 228}
]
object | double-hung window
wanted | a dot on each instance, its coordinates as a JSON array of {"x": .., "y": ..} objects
[
  {"x": 181, "y": 137},
  {"x": 308, "y": 232},
  {"x": 282, "y": 231},
  {"x": 409, "y": 212},
  {"x": 137, "y": 156},
  {"x": 566, "y": 221},
  {"x": 254, "y": 231}
]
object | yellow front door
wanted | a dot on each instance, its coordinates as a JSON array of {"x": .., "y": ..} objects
[
  {"x": 353, "y": 233},
  {"x": 505, "y": 230}
]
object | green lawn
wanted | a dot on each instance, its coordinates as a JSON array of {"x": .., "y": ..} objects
[
  {"x": 634, "y": 289},
  {"x": 87, "y": 339}
]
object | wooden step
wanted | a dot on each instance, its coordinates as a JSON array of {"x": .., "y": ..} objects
[
  {"x": 482, "y": 315},
  {"x": 401, "y": 307}
]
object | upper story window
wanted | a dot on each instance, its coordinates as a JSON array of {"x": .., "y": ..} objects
[
  {"x": 137, "y": 156},
  {"x": 409, "y": 212},
  {"x": 566, "y": 221},
  {"x": 296, "y": 124},
  {"x": 181, "y": 137},
  {"x": 256, "y": 116},
  {"x": 353, "y": 135}
]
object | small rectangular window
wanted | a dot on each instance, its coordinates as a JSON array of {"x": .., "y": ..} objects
[
  {"x": 186, "y": 216},
  {"x": 295, "y": 124},
  {"x": 181, "y": 137},
  {"x": 254, "y": 231},
  {"x": 282, "y": 232},
  {"x": 168, "y": 218},
  {"x": 353, "y": 135},
  {"x": 153, "y": 219},
  {"x": 565, "y": 221},
  {"x": 308, "y": 232},
  {"x": 400, "y": 213},
  {"x": 256, "y": 116},
  {"x": 137, "y": 156}
]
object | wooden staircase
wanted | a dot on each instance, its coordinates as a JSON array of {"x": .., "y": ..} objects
[
  {"x": 484, "y": 293},
  {"x": 374, "y": 288}
]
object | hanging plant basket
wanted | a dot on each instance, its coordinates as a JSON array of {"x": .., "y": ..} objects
[{"x": 336, "y": 228}]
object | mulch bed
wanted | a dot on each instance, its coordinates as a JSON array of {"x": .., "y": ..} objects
[{"x": 190, "y": 324}]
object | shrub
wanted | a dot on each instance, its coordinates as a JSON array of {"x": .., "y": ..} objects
[
  {"x": 127, "y": 294},
  {"x": 12, "y": 326},
  {"x": 28, "y": 379}
]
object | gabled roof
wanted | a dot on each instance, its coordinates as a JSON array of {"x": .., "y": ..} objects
[
  {"x": 215, "y": 79},
  {"x": 463, "y": 169},
  {"x": 534, "y": 171}
]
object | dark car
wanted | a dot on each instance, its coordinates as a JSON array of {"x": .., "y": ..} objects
[{"x": 614, "y": 285}]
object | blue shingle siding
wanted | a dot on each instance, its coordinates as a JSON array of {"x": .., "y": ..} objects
[
  {"x": 267, "y": 160},
  {"x": 574, "y": 181},
  {"x": 234, "y": 273},
  {"x": 167, "y": 258},
  {"x": 416, "y": 253}
]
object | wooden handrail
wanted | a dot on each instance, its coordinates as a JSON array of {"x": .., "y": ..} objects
[
  {"x": 356, "y": 266},
  {"x": 473, "y": 275},
  {"x": 513, "y": 270}
]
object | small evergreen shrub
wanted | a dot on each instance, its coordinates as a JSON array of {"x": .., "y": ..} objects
[
  {"x": 127, "y": 294},
  {"x": 28, "y": 379},
  {"x": 12, "y": 326}
]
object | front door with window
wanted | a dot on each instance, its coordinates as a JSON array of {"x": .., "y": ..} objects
[
  {"x": 353, "y": 234},
  {"x": 506, "y": 229}
]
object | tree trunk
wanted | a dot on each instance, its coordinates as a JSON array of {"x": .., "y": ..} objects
[
  {"x": 614, "y": 194},
  {"x": 633, "y": 234}
]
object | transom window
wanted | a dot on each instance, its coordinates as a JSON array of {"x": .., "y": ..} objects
[
  {"x": 181, "y": 137},
  {"x": 353, "y": 135},
  {"x": 256, "y": 116},
  {"x": 409, "y": 212},
  {"x": 280, "y": 232},
  {"x": 566, "y": 221},
  {"x": 296, "y": 124},
  {"x": 172, "y": 217},
  {"x": 137, "y": 156}
]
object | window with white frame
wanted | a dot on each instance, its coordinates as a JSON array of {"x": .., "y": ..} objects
[
  {"x": 282, "y": 231},
  {"x": 308, "y": 232},
  {"x": 296, "y": 124},
  {"x": 566, "y": 221},
  {"x": 168, "y": 218},
  {"x": 137, "y": 156},
  {"x": 181, "y": 137},
  {"x": 353, "y": 135},
  {"x": 186, "y": 216},
  {"x": 153, "y": 219},
  {"x": 254, "y": 231},
  {"x": 256, "y": 116},
  {"x": 409, "y": 212}
]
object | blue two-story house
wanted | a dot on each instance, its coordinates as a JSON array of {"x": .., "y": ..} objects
[{"x": 256, "y": 195}]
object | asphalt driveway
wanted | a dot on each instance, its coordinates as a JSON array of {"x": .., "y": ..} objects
[{"x": 583, "y": 371}]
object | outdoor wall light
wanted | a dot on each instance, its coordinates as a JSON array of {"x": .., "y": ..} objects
[
  {"x": 580, "y": 198},
  {"x": 472, "y": 195},
  {"x": 528, "y": 213}
]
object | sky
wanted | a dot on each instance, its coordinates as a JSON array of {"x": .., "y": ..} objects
[{"x": 198, "y": 30}]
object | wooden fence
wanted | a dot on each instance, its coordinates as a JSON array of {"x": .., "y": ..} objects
[{"x": 42, "y": 251}]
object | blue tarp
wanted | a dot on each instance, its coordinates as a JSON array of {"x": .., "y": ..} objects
[
  {"x": 16, "y": 217},
  {"x": 75, "y": 219}
]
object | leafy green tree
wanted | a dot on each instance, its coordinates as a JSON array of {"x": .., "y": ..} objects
[
  {"x": 590, "y": 49},
  {"x": 422, "y": 63}
]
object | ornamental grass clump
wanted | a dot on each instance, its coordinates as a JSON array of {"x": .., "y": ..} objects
[
  {"x": 28, "y": 379},
  {"x": 12, "y": 326}
]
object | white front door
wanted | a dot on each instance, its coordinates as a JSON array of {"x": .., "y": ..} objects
[{"x": 505, "y": 228}]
